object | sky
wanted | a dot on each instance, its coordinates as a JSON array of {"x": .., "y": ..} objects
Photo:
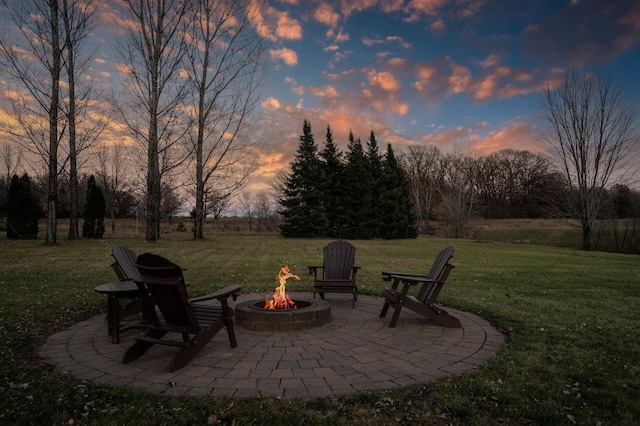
[{"x": 457, "y": 74}]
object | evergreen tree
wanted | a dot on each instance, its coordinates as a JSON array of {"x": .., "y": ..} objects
[
  {"x": 94, "y": 211},
  {"x": 22, "y": 210},
  {"x": 303, "y": 210},
  {"x": 375, "y": 170},
  {"x": 333, "y": 187},
  {"x": 396, "y": 207},
  {"x": 358, "y": 182}
]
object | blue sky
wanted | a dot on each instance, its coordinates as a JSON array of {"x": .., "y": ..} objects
[
  {"x": 458, "y": 74},
  {"x": 462, "y": 74}
]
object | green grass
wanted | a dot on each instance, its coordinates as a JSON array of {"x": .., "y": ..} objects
[{"x": 572, "y": 318}]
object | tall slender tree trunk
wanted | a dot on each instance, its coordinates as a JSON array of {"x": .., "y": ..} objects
[
  {"x": 198, "y": 232},
  {"x": 73, "y": 154},
  {"x": 52, "y": 192}
]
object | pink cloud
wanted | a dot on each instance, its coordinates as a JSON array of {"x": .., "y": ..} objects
[
  {"x": 288, "y": 56},
  {"x": 384, "y": 80},
  {"x": 326, "y": 15},
  {"x": 516, "y": 135},
  {"x": 274, "y": 25}
]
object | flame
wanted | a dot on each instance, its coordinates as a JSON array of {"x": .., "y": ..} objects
[{"x": 280, "y": 298}]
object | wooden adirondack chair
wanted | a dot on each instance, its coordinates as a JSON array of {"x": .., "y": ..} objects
[
  {"x": 425, "y": 302},
  {"x": 197, "y": 323},
  {"x": 125, "y": 289},
  {"x": 125, "y": 262},
  {"x": 338, "y": 271}
]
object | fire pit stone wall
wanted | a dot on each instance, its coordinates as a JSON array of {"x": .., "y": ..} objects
[{"x": 250, "y": 315}]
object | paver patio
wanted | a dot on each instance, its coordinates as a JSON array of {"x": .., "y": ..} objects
[{"x": 356, "y": 352}]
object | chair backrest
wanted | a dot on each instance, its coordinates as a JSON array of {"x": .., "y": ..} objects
[
  {"x": 165, "y": 282},
  {"x": 339, "y": 257},
  {"x": 438, "y": 268},
  {"x": 125, "y": 262}
]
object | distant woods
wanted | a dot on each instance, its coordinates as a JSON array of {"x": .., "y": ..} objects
[{"x": 362, "y": 193}]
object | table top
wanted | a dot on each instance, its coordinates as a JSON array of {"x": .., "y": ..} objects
[{"x": 126, "y": 286}]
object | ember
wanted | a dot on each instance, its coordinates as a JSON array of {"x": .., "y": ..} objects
[{"x": 280, "y": 298}]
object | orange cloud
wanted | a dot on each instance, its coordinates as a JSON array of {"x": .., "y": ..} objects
[
  {"x": 326, "y": 15},
  {"x": 288, "y": 56},
  {"x": 385, "y": 80},
  {"x": 273, "y": 24},
  {"x": 517, "y": 135}
]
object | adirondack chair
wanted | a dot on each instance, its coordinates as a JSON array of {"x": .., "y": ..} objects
[
  {"x": 125, "y": 262},
  {"x": 196, "y": 322},
  {"x": 124, "y": 289},
  {"x": 425, "y": 302},
  {"x": 338, "y": 271}
]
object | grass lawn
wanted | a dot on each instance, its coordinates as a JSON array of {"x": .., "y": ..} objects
[{"x": 573, "y": 320}]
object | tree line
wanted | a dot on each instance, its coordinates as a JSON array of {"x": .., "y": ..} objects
[
  {"x": 190, "y": 72},
  {"x": 359, "y": 194}
]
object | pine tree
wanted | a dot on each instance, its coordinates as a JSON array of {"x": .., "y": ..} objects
[
  {"x": 303, "y": 210},
  {"x": 396, "y": 207},
  {"x": 375, "y": 170},
  {"x": 94, "y": 211},
  {"x": 358, "y": 182},
  {"x": 22, "y": 210},
  {"x": 333, "y": 187}
]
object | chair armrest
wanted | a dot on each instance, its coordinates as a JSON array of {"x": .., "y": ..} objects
[
  {"x": 388, "y": 276},
  {"x": 221, "y": 294},
  {"x": 314, "y": 270},
  {"x": 413, "y": 279}
]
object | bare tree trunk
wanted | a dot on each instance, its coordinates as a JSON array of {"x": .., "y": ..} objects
[
  {"x": 52, "y": 191},
  {"x": 71, "y": 116}
]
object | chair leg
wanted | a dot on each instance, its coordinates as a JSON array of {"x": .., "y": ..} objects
[
  {"x": 396, "y": 315},
  {"x": 385, "y": 309},
  {"x": 228, "y": 322},
  {"x": 185, "y": 355},
  {"x": 140, "y": 347}
]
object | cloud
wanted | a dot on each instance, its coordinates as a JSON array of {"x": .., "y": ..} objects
[
  {"x": 273, "y": 24},
  {"x": 326, "y": 15},
  {"x": 521, "y": 136},
  {"x": 417, "y": 10},
  {"x": 270, "y": 104},
  {"x": 288, "y": 56},
  {"x": 384, "y": 80},
  {"x": 438, "y": 26},
  {"x": 584, "y": 31},
  {"x": 444, "y": 78},
  {"x": 387, "y": 40}
]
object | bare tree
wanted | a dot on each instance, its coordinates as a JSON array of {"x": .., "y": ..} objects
[
  {"x": 591, "y": 135},
  {"x": 153, "y": 53},
  {"x": 226, "y": 63},
  {"x": 510, "y": 183},
  {"x": 247, "y": 207},
  {"x": 34, "y": 61},
  {"x": 457, "y": 188},
  {"x": 264, "y": 210},
  {"x": 111, "y": 175},
  {"x": 10, "y": 158},
  {"x": 78, "y": 23},
  {"x": 420, "y": 164}
]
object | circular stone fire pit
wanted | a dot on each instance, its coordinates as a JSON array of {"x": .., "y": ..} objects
[{"x": 251, "y": 315}]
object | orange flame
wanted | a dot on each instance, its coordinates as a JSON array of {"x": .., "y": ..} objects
[{"x": 280, "y": 298}]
